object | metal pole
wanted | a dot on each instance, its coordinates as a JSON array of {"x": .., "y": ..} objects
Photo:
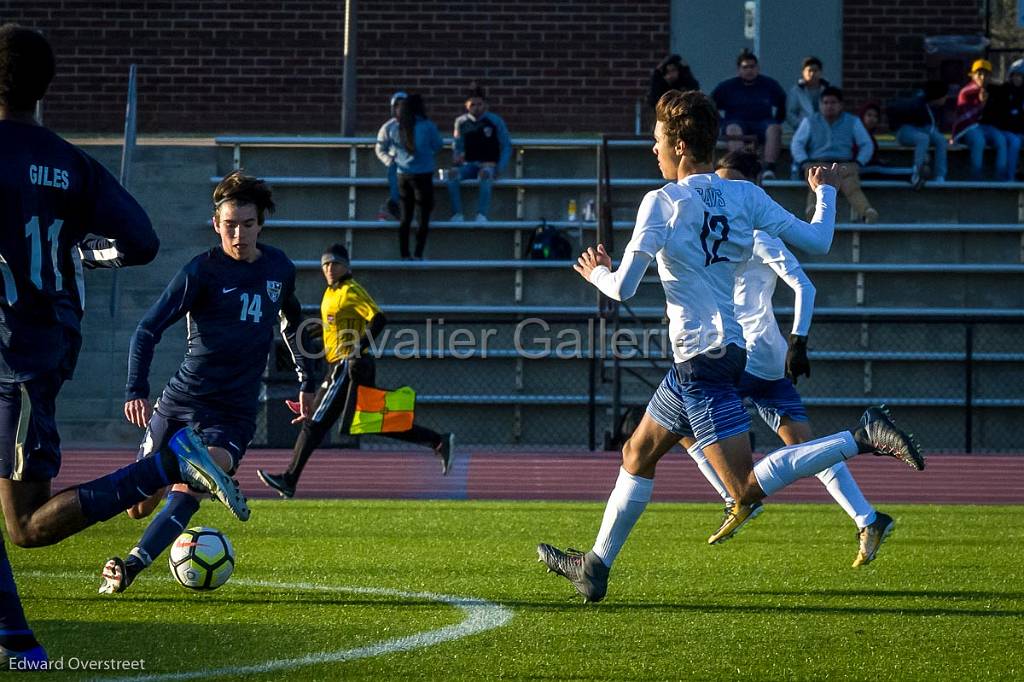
[
  {"x": 127, "y": 150},
  {"x": 968, "y": 387},
  {"x": 348, "y": 87}
]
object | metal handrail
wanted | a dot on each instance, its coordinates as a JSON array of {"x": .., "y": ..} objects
[
  {"x": 524, "y": 264},
  {"x": 651, "y": 183},
  {"x": 653, "y": 313},
  {"x": 622, "y": 225}
]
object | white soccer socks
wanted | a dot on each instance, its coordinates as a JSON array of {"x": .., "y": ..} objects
[
  {"x": 844, "y": 490},
  {"x": 627, "y": 502},
  {"x": 786, "y": 465},
  {"x": 709, "y": 473}
]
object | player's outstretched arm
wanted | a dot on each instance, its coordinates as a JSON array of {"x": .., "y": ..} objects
[
  {"x": 594, "y": 265},
  {"x": 172, "y": 305},
  {"x": 121, "y": 232},
  {"x": 816, "y": 236},
  {"x": 789, "y": 270},
  {"x": 291, "y": 324}
]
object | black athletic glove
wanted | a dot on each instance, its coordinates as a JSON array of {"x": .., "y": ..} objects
[{"x": 796, "y": 358}]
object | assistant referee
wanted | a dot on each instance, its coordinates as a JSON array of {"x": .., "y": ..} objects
[{"x": 348, "y": 313}]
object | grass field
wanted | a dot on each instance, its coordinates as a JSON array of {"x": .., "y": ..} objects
[{"x": 945, "y": 599}]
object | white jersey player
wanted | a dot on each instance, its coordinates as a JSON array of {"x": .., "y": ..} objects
[{"x": 701, "y": 230}]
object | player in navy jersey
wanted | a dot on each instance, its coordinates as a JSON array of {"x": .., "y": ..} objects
[
  {"x": 234, "y": 295},
  {"x": 60, "y": 211}
]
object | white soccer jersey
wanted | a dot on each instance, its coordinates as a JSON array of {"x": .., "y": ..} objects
[
  {"x": 731, "y": 211},
  {"x": 755, "y": 284},
  {"x": 701, "y": 230},
  {"x": 668, "y": 229}
]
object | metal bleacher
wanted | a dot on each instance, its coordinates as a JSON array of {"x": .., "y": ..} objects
[{"x": 901, "y": 304}]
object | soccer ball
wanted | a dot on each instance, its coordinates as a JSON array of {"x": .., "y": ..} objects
[{"x": 201, "y": 559}]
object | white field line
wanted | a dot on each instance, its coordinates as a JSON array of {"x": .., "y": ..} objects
[{"x": 480, "y": 616}]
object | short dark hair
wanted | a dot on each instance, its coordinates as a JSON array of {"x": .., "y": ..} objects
[
  {"x": 812, "y": 61},
  {"x": 690, "y": 117},
  {"x": 27, "y": 66},
  {"x": 241, "y": 189},
  {"x": 832, "y": 91},
  {"x": 475, "y": 90},
  {"x": 744, "y": 163},
  {"x": 335, "y": 252},
  {"x": 746, "y": 56}
]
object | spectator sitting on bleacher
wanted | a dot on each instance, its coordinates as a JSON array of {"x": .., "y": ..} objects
[
  {"x": 803, "y": 97},
  {"x": 671, "y": 74},
  {"x": 752, "y": 104},
  {"x": 976, "y": 123},
  {"x": 1013, "y": 101},
  {"x": 870, "y": 115},
  {"x": 481, "y": 149},
  {"x": 829, "y": 136},
  {"x": 916, "y": 122},
  {"x": 386, "y": 153}
]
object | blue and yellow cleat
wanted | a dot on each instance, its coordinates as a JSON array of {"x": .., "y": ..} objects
[{"x": 200, "y": 471}]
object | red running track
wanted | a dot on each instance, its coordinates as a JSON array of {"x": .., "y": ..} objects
[{"x": 948, "y": 479}]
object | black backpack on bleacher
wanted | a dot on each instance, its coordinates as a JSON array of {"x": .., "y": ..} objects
[{"x": 547, "y": 243}]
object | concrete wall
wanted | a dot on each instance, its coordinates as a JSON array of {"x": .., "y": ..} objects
[{"x": 710, "y": 36}]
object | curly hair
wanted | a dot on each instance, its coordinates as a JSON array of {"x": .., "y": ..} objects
[
  {"x": 27, "y": 66},
  {"x": 690, "y": 117},
  {"x": 241, "y": 189}
]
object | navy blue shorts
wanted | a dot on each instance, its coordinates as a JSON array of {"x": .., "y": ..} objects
[
  {"x": 698, "y": 398},
  {"x": 215, "y": 429},
  {"x": 29, "y": 441},
  {"x": 774, "y": 399}
]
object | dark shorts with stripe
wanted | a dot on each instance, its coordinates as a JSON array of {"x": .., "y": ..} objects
[
  {"x": 773, "y": 399},
  {"x": 215, "y": 429},
  {"x": 699, "y": 398},
  {"x": 29, "y": 441}
]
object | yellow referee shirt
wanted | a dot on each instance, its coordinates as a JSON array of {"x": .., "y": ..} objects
[{"x": 345, "y": 311}]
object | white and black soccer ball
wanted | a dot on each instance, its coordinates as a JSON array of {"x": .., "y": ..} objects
[{"x": 201, "y": 559}]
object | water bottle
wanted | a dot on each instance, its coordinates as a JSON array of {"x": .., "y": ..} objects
[{"x": 572, "y": 210}]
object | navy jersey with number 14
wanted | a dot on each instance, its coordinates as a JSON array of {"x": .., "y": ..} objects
[{"x": 232, "y": 308}]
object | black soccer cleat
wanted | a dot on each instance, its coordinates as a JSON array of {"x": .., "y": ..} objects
[
  {"x": 586, "y": 572},
  {"x": 278, "y": 482},
  {"x": 879, "y": 434}
]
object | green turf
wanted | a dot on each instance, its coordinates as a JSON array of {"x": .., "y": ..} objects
[{"x": 945, "y": 600}]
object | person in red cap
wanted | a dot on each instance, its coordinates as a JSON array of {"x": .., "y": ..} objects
[{"x": 976, "y": 123}]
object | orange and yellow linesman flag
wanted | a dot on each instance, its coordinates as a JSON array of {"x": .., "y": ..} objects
[{"x": 380, "y": 411}]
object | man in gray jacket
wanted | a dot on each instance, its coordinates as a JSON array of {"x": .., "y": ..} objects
[
  {"x": 833, "y": 136},
  {"x": 802, "y": 100}
]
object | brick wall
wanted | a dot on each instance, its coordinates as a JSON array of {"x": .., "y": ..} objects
[
  {"x": 211, "y": 66},
  {"x": 883, "y": 42},
  {"x": 238, "y": 66}
]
